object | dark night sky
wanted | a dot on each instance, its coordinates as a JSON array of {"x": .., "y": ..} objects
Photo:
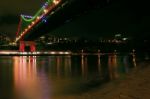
[
  {"x": 130, "y": 17},
  {"x": 124, "y": 16},
  {"x": 10, "y": 11}
]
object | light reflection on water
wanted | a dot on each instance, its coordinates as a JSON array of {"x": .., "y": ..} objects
[{"x": 42, "y": 77}]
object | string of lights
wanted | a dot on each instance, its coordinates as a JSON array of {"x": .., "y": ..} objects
[{"x": 27, "y": 22}]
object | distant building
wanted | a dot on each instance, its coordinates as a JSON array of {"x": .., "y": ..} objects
[
  {"x": 117, "y": 38},
  {"x": 4, "y": 39}
]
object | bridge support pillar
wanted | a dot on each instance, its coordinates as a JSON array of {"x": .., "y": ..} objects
[
  {"x": 31, "y": 44},
  {"x": 22, "y": 46}
]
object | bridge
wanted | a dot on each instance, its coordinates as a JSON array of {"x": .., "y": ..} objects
[{"x": 52, "y": 14}]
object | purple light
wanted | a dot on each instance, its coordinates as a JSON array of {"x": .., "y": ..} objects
[
  {"x": 44, "y": 20},
  {"x": 27, "y": 16},
  {"x": 45, "y": 5}
]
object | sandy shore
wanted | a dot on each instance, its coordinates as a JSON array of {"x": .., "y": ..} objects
[{"x": 136, "y": 85}]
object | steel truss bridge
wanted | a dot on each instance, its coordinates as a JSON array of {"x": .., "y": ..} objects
[{"x": 52, "y": 14}]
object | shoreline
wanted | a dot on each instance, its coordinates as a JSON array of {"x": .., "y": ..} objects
[
  {"x": 45, "y": 53},
  {"x": 136, "y": 85}
]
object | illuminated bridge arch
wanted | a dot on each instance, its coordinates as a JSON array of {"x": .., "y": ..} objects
[{"x": 28, "y": 22}]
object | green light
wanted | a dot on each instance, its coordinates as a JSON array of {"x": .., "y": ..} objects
[
  {"x": 39, "y": 13},
  {"x": 26, "y": 21}
]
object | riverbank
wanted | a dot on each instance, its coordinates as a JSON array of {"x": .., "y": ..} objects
[{"x": 136, "y": 85}]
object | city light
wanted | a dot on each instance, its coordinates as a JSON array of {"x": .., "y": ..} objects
[{"x": 3, "y": 52}]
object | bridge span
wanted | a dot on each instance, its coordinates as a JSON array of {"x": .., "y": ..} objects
[{"x": 52, "y": 14}]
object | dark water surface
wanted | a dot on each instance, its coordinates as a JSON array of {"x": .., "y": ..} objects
[{"x": 42, "y": 77}]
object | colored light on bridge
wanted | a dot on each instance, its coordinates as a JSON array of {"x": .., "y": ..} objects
[
  {"x": 45, "y": 5},
  {"x": 29, "y": 26},
  {"x": 27, "y": 16},
  {"x": 45, "y": 10},
  {"x": 33, "y": 22},
  {"x": 38, "y": 17},
  {"x": 56, "y": 2}
]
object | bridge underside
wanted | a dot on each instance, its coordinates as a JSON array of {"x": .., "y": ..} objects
[{"x": 61, "y": 14}]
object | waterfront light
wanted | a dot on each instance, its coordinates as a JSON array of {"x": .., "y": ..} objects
[
  {"x": 35, "y": 53},
  {"x": 66, "y": 53},
  {"x": 52, "y": 52},
  {"x": 61, "y": 53},
  {"x": 38, "y": 53}
]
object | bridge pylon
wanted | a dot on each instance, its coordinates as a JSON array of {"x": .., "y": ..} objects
[{"x": 23, "y": 45}]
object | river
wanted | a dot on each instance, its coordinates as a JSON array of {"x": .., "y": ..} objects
[{"x": 44, "y": 77}]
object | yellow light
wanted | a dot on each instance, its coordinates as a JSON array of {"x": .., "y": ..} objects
[
  {"x": 29, "y": 26},
  {"x": 61, "y": 52},
  {"x": 38, "y": 18},
  {"x": 53, "y": 52},
  {"x": 52, "y": 12},
  {"x": 56, "y": 2},
  {"x": 33, "y": 22},
  {"x": 67, "y": 52},
  {"x": 45, "y": 10}
]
